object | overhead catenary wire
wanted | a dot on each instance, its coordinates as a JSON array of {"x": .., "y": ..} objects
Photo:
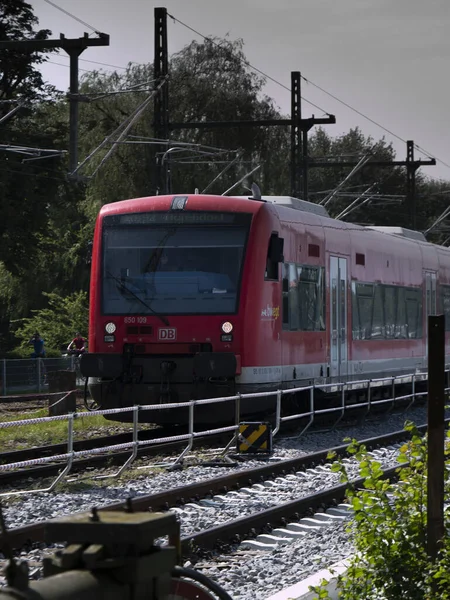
[
  {"x": 69, "y": 14},
  {"x": 30, "y": 150},
  {"x": 223, "y": 171},
  {"x": 126, "y": 125},
  {"x": 364, "y": 116},
  {"x": 12, "y": 111},
  {"x": 95, "y": 62},
  {"x": 364, "y": 160},
  {"x": 134, "y": 118},
  {"x": 136, "y": 88},
  {"x": 307, "y": 80},
  {"x": 62, "y": 65},
  {"x": 361, "y": 114},
  {"x": 246, "y": 62}
]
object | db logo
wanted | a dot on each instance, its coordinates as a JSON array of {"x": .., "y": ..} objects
[{"x": 170, "y": 333}]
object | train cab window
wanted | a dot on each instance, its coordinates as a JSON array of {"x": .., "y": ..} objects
[{"x": 274, "y": 257}]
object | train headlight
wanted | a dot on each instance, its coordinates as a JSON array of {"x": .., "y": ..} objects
[
  {"x": 227, "y": 327},
  {"x": 110, "y": 327}
]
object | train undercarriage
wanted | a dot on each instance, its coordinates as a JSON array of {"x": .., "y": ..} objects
[{"x": 119, "y": 381}]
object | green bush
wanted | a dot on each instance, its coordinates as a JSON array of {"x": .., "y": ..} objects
[
  {"x": 389, "y": 529},
  {"x": 57, "y": 323}
]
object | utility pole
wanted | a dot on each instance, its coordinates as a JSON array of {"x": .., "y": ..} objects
[
  {"x": 436, "y": 435},
  {"x": 74, "y": 47},
  {"x": 161, "y": 101},
  {"x": 299, "y": 129},
  {"x": 296, "y": 134},
  {"x": 411, "y": 168},
  {"x": 163, "y": 126}
]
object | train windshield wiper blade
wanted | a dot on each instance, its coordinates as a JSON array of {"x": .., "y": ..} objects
[{"x": 125, "y": 288}]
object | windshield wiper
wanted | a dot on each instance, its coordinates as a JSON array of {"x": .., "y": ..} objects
[{"x": 125, "y": 288}]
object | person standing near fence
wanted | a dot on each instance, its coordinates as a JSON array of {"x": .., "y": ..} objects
[{"x": 38, "y": 344}]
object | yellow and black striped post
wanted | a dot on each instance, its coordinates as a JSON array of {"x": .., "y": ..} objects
[{"x": 255, "y": 438}]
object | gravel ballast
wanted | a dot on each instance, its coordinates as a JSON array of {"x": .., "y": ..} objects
[{"x": 262, "y": 573}]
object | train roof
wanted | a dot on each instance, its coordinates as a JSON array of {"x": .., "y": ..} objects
[
  {"x": 402, "y": 231},
  {"x": 317, "y": 209},
  {"x": 234, "y": 203},
  {"x": 294, "y": 203}
]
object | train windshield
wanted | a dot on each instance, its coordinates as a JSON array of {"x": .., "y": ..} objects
[{"x": 172, "y": 268}]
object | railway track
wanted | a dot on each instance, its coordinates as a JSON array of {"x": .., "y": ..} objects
[
  {"x": 98, "y": 460},
  {"x": 118, "y": 458},
  {"x": 227, "y": 532}
]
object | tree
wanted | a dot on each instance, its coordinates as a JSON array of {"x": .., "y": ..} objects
[
  {"x": 351, "y": 147},
  {"x": 26, "y": 188},
  {"x": 208, "y": 81},
  {"x": 57, "y": 323}
]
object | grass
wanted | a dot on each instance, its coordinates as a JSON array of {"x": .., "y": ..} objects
[{"x": 53, "y": 432}]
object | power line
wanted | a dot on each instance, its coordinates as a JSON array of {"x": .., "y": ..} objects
[
  {"x": 353, "y": 109},
  {"x": 428, "y": 154},
  {"x": 319, "y": 88},
  {"x": 63, "y": 65},
  {"x": 96, "y": 62},
  {"x": 31, "y": 174},
  {"x": 434, "y": 156},
  {"x": 245, "y": 62},
  {"x": 66, "y": 12}
]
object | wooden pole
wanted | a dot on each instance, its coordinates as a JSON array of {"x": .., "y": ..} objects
[{"x": 436, "y": 434}]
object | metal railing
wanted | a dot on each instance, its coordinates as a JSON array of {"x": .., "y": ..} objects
[{"x": 310, "y": 415}]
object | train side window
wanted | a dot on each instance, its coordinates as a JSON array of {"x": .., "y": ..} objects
[
  {"x": 383, "y": 312},
  {"x": 400, "y": 322},
  {"x": 378, "y": 331},
  {"x": 303, "y": 297},
  {"x": 294, "y": 313},
  {"x": 311, "y": 299},
  {"x": 445, "y": 304},
  {"x": 363, "y": 302},
  {"x": 285, "y": 287},
  {"x": 274, "y": 257},
  {"x": 414, "y": 315}
]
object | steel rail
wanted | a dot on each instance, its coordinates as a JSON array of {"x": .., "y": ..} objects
[
  {"x": 88, "y": 444},
  {"x": 99, "y": 460},
  {"x": 161, "y": 501},
  {"x": 232, "y": 531}
]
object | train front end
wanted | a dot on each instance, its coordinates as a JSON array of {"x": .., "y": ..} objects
[{"x": 165, "y": 309}]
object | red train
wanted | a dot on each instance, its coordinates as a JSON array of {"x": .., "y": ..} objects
[{"x": 196, "y": 296}]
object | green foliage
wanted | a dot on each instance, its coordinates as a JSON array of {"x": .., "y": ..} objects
[
  {"x": 389, "y": 528},
  {"x": 209, "y": 81},
  {"x": 56, "y": 323},
  {"x": 52, "y": 432},
  {"x": 27, "y": 188},
  {"x": 48, "y": 218}
]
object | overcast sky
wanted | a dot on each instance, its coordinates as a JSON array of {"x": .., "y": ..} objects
[{"x": 389, "y": 59}]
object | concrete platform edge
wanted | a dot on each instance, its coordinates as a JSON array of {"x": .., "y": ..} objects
[{"x": 300, "y": 590}]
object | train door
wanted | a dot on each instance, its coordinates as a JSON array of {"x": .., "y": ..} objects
[
  {"x": 430, "y": 302},
  {"x": 338, "y": 316}
]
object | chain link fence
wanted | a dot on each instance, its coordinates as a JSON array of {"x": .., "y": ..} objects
[{"x": 29, "y": 375}]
